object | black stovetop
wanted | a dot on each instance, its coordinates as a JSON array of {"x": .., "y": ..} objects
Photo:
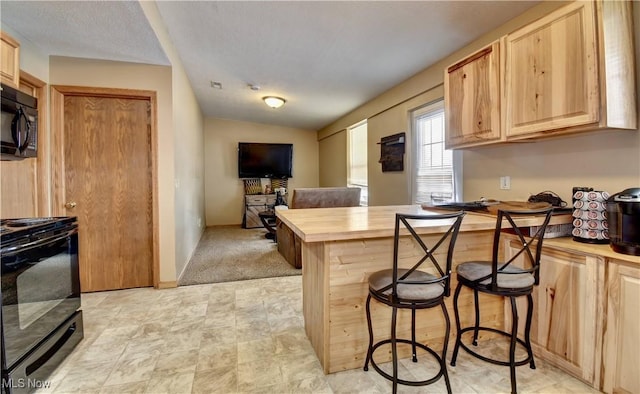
[{"x": 25, "y": 229}]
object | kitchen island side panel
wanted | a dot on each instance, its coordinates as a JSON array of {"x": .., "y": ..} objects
[{"x": 315, "y": 298}]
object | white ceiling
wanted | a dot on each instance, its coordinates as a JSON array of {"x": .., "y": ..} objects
[{"x": 325, "y": 58}]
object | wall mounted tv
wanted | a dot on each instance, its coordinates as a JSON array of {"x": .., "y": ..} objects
[{"x": 262, "y": 160}]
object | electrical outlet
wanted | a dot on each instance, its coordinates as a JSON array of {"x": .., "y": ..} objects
[{"x": 505, "y": 182}]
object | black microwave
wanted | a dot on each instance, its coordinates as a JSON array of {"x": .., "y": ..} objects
[{"x": 18, "y": 125}]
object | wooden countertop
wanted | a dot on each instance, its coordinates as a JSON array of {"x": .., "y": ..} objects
[
  {"x": 567, "y": 243},
  {"x": 332, "y": 224}
]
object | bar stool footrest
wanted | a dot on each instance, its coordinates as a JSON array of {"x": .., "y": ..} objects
[
  {"x": 490, "y": 360},
  {"x": 435, "y": 355}
]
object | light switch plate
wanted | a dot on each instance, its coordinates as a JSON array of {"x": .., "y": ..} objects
[{"x": 505, "y": 182}]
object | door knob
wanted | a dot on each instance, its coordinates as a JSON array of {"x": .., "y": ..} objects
[{"x": 70, "y": 205}]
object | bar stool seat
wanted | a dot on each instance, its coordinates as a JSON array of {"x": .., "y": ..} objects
[
  {"x": 379, "y": 281},
  {"x": 414, "y": 289}
]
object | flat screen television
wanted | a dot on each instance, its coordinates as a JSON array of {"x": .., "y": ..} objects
[{"x": 263, "y": 160}]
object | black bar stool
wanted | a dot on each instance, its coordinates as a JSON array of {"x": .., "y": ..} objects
[
  {"x": 503, "y": 279},
  {"x": 414, "y": 289}
]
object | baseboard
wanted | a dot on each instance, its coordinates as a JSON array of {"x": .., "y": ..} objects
[{"x": 168, "y": 285}]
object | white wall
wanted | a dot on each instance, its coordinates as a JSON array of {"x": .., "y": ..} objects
[
  {"x": 333, "y": 156},
  {"x": 188, "y": 151},
  {"x": 224, "y": 191}
]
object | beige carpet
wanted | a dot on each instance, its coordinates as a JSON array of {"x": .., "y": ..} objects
[{"x": 231, "y": 253}]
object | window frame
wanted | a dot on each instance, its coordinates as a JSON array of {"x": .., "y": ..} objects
[
  {"x": 364, "y": 194},
  {"x": 457, "y": 155}
]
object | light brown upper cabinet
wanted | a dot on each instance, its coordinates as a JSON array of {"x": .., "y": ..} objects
[
  {"x": 9, "y": 60},
  {"x": 472, "y": 99},
  {"x": 569, "y": 71}
]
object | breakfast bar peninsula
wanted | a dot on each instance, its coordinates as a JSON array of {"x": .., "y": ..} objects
[{"x": 342, "y": 246}]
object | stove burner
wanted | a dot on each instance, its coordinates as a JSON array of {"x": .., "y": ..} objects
[{"x": 26, "y": 222}]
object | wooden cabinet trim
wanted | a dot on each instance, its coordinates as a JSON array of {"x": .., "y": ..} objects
[
  {"x": 470, "y": 59},
  {"x": 39, "y": 87},
  {"x": 617, "y": 58}
]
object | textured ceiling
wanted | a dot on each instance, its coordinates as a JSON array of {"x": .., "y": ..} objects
[
  {"x": 108, "y": 30},
  {"x": 325, "y": 58}
]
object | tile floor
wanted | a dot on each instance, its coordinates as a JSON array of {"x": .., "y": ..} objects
[{"x": 240, "y": 337}]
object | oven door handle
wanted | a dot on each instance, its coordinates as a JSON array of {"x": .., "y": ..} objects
[{"x": 35, "y": 244}]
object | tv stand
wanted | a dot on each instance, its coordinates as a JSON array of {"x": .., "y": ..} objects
[{"x": 253, "y": 205}]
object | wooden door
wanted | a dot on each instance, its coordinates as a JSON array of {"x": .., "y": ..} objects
[
  {"x": 108, "y": 186},
  {"x": 472, "y": 99}
]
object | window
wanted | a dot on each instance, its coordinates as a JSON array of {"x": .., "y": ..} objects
[
  {"x": 357, "y": 169},
  {"x": 437, "y": 173}
]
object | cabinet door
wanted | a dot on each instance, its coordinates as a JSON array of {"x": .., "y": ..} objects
[
  {"x": 567, "y": 314},
  {"x": 622, "y": 335},
  {"x": 9, "y": 60},
  {"x": 253, "y": 205},
  {"x": 472, "y": 99},
  {"x": 552, "y": 72}
]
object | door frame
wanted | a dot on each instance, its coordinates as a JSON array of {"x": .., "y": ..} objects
[{"x": 58, "y": 94}]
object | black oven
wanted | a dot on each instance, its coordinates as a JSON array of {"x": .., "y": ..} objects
[
  {"x": 41, "y": 320},
  {"x": 18, "y": 124}
]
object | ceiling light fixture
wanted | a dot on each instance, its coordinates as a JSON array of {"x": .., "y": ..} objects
[{"x": 273, "y": 101}]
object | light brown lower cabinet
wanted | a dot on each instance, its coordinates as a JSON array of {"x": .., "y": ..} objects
[
  {"x": 586, "y": 318},
  {"x": 621, "y": 366},
  {"x": 567, "y": 314}
]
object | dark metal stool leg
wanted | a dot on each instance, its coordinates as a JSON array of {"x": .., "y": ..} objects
[
  {"x": 477, "y": 307},
  {"x": 394, "y": 350},
  {"x": 368, "y": 308},
  {"x": 413, "y": 335},
  {"x": 458, "y": 333},
  {"x": 512, "y": 348},
  {"x": 443, "y": 361},
  {"x": 527, "y": 330}
]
